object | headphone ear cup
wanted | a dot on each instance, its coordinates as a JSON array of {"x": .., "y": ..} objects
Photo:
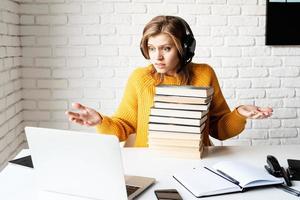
[
  {"x": 192, "y": 46},
  {"x": 189, "y": 45}
]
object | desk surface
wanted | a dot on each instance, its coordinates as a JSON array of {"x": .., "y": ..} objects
[{"x": 16, "y": 182}]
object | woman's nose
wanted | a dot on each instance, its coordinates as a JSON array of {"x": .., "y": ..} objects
[{"x": 159, "y": 55}]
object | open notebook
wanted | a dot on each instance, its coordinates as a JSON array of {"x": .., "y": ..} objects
[{"x": 224, "y": 177}]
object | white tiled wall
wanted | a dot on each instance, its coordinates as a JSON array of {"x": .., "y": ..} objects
[{"x": 84, "y": 50}]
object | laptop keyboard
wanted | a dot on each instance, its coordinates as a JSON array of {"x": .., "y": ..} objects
[{"x": 131, "y": 189}]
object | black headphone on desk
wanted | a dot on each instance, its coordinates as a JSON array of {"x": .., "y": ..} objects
[
  {"x": 188, "y": 44},
  {"x": 275, "y": 169}
]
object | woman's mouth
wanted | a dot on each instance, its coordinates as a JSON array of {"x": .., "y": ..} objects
[{"x": 160, "y": 65}]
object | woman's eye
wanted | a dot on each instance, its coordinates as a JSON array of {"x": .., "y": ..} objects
[
  {"x": 167, "y": 49},
  {"x": 151, "y": 48}
]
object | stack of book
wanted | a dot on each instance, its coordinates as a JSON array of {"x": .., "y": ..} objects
[{"x": 178, "y": 117}]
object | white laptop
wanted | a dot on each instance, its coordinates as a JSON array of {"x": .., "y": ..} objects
[{"x": 80, "y": 166}]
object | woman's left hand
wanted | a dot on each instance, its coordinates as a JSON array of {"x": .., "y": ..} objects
[{"x": 254, "y": 112}]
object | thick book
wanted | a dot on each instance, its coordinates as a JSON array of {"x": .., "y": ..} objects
[
  {"x": 180, "y": 106},
  {"x": 177, "y": 113},
  {"x": 174, "y": 149},
  {"x": 174, "y": 143},
  {"x": 172, "y": 135},
  {"x": 177, "y": 120},
  {"x": 176, "y": 128},
  {"x": 187, "y": 91},
  {"x": 182, "y": 99},
  {"x": 224, "y": 177},
  {"x": 177, "y": 151}
]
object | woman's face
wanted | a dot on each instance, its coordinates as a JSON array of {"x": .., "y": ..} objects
[{"x": 163, "y": 54}]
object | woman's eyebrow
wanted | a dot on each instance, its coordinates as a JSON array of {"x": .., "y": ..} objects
[{"x": 167, "y": 44}]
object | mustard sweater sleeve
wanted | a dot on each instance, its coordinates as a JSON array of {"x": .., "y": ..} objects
[
  {"x": 124, "y": 121},
  {"x": 224, "y": 124}
]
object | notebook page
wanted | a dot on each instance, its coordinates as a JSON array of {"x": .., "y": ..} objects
[
  {"x": 248, "y": 175},
  {"x": 202, "y": 182}
]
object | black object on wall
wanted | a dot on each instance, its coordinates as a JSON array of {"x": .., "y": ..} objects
[{"x": 283, "y": 23}]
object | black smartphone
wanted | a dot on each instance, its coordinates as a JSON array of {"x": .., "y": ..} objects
[
  {"x": 167, "y": 194},
  {"x": 25, "y": 161}
]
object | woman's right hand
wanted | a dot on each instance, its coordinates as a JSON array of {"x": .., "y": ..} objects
[{"x": 84, "y": 116}]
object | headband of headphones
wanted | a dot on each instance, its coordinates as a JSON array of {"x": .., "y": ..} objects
[{"x": 188, "y": 44}]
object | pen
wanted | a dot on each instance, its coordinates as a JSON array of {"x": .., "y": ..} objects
[
  {"x": 289, "y": 190},
  {"x": 224, "y": 175},
  {"x": 228, "y": 177}
]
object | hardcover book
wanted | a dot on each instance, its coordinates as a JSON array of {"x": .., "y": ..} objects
[
  {"x": 176, "y": 128},
  {"x": 181, "y": 106},
  {"x": 187, "y": 91},
  {"x": 174, "y": 142},
  {"x": 177, "y": 120},
  {"x": 170, "y": 135},
  {"x": 177, "y": 113},
  {"x": 181, "y": 99}
]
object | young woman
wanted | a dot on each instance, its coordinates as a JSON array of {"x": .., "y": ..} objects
[{"x": 169, "y": 44}]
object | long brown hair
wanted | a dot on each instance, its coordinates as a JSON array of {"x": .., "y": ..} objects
[{"x": 174, "y": 27}]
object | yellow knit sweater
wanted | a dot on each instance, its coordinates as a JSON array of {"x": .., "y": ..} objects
[{"x": 132, "y": 115}]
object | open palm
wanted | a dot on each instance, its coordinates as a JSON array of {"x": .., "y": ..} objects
[
  {"x": 85, "y": 115},
  {"x": 254, "y": 112}
]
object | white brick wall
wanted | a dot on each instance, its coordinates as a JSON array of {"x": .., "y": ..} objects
[
  {"x": 84, "y": 51},
  {"x": 11, "y": 119},
  {"x": 92, "y": 47}
]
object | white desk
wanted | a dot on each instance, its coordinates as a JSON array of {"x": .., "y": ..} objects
[{"x": 16, "y": 182}]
